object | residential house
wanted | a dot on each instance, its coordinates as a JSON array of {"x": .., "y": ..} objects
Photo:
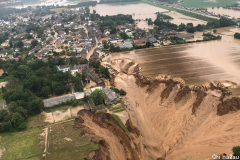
[
  {"x": 48, "y": 103},
  {"x": 110, "y": 96},
  {"x": 3, "y": 53}
]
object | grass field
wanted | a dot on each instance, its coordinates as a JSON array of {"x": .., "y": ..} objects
[
  {"x": 36, "y": 121},
  {"x": 207, "y": 3},
  {"x": 59, "y": 10},
  {"x": 28, "y": 144},
  {"x": 63, "y": 142}
]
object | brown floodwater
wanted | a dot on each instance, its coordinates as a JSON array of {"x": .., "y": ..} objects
[
  {"x": 143, "y": 11},
  {"x": 196, "y": 63},
  {"x": 223, "y": 11}
]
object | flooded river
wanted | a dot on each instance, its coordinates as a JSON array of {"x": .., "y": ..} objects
[
  {"x": 196, "y": 63},
  {"x": 223, "y": 11},
  {"x": 143, "y": 11}
]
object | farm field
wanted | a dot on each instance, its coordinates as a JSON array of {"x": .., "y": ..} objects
[{"x": 207, "y": 3}]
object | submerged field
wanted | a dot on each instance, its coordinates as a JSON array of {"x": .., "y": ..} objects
[
  {"x": 208, "y": 3},
  {"x": 196, "y": 63}
]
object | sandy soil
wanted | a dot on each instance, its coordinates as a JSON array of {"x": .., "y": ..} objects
[
  {"x": 123, "y": 116},
  {"x": 75, "y": 110},
  {"x": 3, "y": 84},
  {"x": 49, "y": 117},
  {"x": 45, "y": 141},
  {"x": 1, "y": 72},
  {"x": 171, "y": 128},
  {"x": 61, "y": 116},
  {"x": 115, "y": 147}
]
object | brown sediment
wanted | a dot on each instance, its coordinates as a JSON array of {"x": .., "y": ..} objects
[
  {"x": 230, "y": 105},
  {"x": 104, "y": 130},
  {"x": 186, "y": 124},
  {"x": 168, "y": 120}
]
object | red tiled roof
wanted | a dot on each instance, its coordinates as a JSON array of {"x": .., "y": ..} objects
[{"x": 103, "y": 39}]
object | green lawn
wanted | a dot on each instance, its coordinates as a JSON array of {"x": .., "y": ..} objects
[
  {"x": 207, "y": 3},
  {"x": 58, "y": 108},
  {"x": 36, "y": 121},
  {"x": 24, "y": 144},
  {"x": 157, "y": 5},
  {"x": 63, "y": 143}
]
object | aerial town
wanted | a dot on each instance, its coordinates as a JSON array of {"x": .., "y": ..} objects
[{"x": 149, "y": 79}]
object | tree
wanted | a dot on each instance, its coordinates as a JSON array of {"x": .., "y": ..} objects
[
  {"x": 10, "y": 51},
  {"x": 237, "y": 35},
  {"x": 23, "y": 70},
  {"x": 105, "y": 45},
  {"x": 124, "y": 35},
  {"x": 66, "y": 30},
  {"x": 22, "y": 111},
  {"x": 85, "y": 98},
  {"x": 122, "y": 92},
  {"x": 148, "y": 44},
  {"x": 3, "y": 114},
  {"x": 17, "y": 119},
  {"x": 34, "y": 43},
  {"x": 236, "y": 150},
  {"x": 200, "y": 27},
  {"x": 94, "y": 11},
  {"x": 6, "y": 126},
  {"x": 12, "y": 84},
  {"x": 20, "y": 44},
  {"x": 97, "y": 96},
  {"x": 35, "y": 106},
  {"x": 58, "y": 88},
  {"x": 12, "y": 106},
  {"x": 46, "y": 91},
  {"x": 214, "y": 31}
]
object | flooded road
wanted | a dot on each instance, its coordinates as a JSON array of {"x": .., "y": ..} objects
[
  {"x": 196, "y": 63},
  {"x": 143, "y": 11},
  {"x": 223, "y": 11}
]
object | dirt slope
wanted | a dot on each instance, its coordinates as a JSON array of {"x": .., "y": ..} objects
[{"x": 167, "y": 120}]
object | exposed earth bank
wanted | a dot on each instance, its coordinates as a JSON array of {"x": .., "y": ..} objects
[{"x": 168, "y": 119}]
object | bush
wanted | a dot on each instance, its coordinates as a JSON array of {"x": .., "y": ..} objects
[
  {"x": 115, "y": 89},
  {"x": 122, "y": 92},
  {"x": 22, "y": 126},
  {"x": 236, "y": 150},
  {"x": 6, "y": 126}
]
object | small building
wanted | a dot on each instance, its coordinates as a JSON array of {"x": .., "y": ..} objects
[
  {"x": 110, "y": 96},
  {"x": 152, "y": 39},
  {"x": 94, "y": 107},
  {"x": 184, "y": 36},
  {"x": 48, "y": 103}
]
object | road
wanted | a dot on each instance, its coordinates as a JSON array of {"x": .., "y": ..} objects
[{"x": 92, "y": 50}]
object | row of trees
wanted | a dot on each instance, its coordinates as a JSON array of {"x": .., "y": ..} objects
[
  {"x": 162, "y": 24},
  {"x": 190, "y": 28},
  {"x": 110, "y": 22}
]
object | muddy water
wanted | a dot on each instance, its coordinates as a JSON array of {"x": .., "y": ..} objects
[
  {"x": 196, "y": 63},
  {"x": 143, "y": 11},
  {"x": 223, "y": 11}
]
